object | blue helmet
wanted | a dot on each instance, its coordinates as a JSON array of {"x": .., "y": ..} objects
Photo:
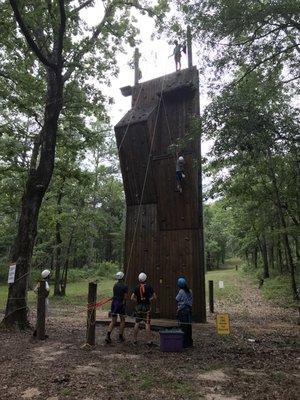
[{"x": 181, "y": 282}]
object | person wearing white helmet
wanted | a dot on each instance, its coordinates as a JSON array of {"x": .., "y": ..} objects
[
  {"x": 45, "y": 277},
  {"x": 180, "y": 172},
  {"x": 118, "y": 305},
  {"x": 143, "y": 294}
]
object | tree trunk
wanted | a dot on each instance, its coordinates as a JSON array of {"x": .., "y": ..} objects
[
  {"x": 264, "y": 254},
  {"x": 58, "y": 242},
  {"x": 279, "y": 256},
  {"x": 271, "y": 254},
  {"x": 37, "y": 183},
  {"x": 255, "y": 257},
  {"x": 284, "y": 226}
]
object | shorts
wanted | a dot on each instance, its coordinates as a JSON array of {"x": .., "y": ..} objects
[
  {"x": 117, "y": 308},
  {"x": 142, "y": 313},
  {"x": 179, "y": 177}
]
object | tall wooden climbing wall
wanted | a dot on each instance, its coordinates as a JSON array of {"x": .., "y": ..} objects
[{"x": 164, "y": 232}]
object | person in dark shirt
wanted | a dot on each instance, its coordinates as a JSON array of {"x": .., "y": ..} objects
[
  {"x": 180, "y": 175},
  {"x": 143, "y": 294},
  {"x": 118, "y": 304}
]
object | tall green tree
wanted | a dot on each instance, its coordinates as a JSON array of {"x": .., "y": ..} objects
[
  {"x": 254, "y": 127},
  {"x": 61, "y": 48}
]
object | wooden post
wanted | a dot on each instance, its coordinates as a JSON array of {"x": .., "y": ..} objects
[
  {"x": 211, "y": 296},
  {"x": 91, "y": 314},
  {"x": 137, "y": 72},
  {"x": 189, "y": 47},
  {"x": 41, "y": 311}
]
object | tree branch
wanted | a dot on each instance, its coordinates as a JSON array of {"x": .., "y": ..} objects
[
  {"x": 31, "y": 43},
  {"x": 62, "y": 29},
  {"x": 77, "y": 56},
  {"x": 83, "y": 5},
  {"x": 262, "y": 62},
  {"x": 108, "y": 12}
]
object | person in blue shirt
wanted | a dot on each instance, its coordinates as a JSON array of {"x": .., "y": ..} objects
[{"x": 184, "y": 300}]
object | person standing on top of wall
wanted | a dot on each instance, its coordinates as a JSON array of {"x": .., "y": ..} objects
[
  {"x": 45, "y": 277},
  {"x": 180, "y": 175},
  {"x": 177, "y": 54},
  {"x": 143, "y": 294},
  {"x": 184, "y": 300},
  {"x": 118, "y": 305}
]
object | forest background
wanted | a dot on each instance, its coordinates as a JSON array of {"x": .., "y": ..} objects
[{"x": 248, "y": 56}]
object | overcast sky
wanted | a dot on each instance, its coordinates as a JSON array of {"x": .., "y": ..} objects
[{"x": 154, "y": 62}]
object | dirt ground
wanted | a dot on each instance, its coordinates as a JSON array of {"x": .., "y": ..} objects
[{"x": 258, "y": 360}]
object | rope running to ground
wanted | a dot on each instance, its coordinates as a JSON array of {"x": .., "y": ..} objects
[{"x": 146, "y": 175}]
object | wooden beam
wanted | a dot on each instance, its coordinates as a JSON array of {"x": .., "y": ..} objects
[
  {"x": 91, "y": 314},
  {"x": 41, "y": 311},
  {"x": 189, "y": 46},
  {"x": 137, "y": 72}
]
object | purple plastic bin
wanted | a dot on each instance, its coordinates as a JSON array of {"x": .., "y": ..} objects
[{"x": 171, "y": 340}]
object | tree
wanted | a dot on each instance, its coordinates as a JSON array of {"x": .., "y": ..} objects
[
  {"x": 55, "y": 35},
  {"x": 250, "y": 34},
  {"x": 254, "y": 126}
]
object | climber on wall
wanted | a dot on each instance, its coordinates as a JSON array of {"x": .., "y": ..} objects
[
  {"x": 180, "y": 175},
  {"x": 177, "y": 54}
]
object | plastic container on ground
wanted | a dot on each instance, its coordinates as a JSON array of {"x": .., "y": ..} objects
[{"x": 171, "y": 340}]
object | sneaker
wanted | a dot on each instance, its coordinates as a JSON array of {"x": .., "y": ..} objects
[
  {"x": 108, "y": 340},
  {"x": 150, "y": 344},
  {"x": 120, "y": 339}
]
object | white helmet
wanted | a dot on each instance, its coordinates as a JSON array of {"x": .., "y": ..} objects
[
  {"x": 180, "y": 158},
  {"x": 119, "y": 275},
  {"x": 45, "y": 273},
  {"x": 142, "y": 277}
]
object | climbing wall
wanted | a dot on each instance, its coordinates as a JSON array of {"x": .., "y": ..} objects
[{"x": 164, "y": 232}]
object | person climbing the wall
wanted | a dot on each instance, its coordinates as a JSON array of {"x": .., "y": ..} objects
[
  {"x": 118, "y": 305},
  {"x": 180, "y": 175},
  {"x": 45, "y": 277},
  {"x": 143, "y": 294},
  {"x": 184, "y": 300},
  {"x": 177, "y": 54}
]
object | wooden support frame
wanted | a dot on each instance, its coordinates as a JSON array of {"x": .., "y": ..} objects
[
  {"x": 91, "y": 314},
  {"x": 41, "y": 311},
  {"x": 211, "y": 296}
]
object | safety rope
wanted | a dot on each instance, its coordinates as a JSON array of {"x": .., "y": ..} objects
[{"x": 146, "y": 175}]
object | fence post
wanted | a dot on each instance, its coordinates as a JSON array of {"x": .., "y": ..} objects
[
  {"x": 211, "y": 296},
  {"x": 91, "y": 314},
  {"x": 41, "y": 311}
]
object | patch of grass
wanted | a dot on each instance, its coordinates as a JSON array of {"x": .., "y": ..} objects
[
  {"x": 279, "y": 376},
  {"x": 233, "y": 261},
  {"x": 277, "y": 288},
  {"x": 76, "y": 293},
  {"x": 231, "y": 278},
  {"x": 66, "y": 391}
]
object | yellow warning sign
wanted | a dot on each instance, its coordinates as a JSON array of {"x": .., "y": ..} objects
[{"x": 223, "y": 324}]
